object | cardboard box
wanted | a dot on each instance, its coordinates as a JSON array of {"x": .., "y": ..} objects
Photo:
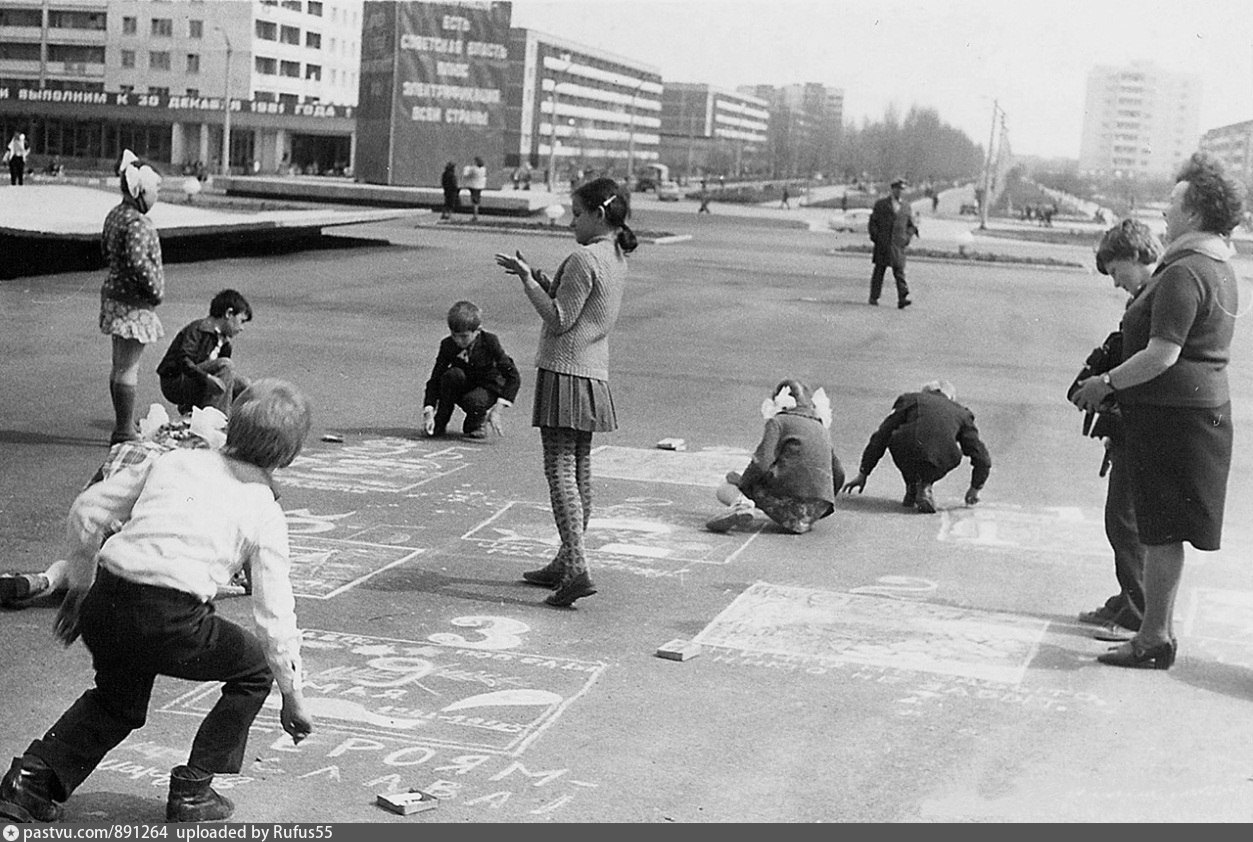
[
  {"x": 678, "y": 650},
  {"x": 406, "y": 803},
  {"x": 672, "y": 444}
]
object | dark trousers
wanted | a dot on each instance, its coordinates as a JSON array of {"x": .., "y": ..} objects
[
  {"x": 1124, "y": 539},
  {"x": 17, "y": 170},
  {"x": 913, "y": 467},
  {"x": 135, "y": 633},
  {"x": 455, "y": 390},
  {"x": 186, "y": 392},
  {"x": 898, "y": 275}
]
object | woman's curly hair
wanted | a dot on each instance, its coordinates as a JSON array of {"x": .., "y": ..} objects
[{"x": 1213, "y": 195}]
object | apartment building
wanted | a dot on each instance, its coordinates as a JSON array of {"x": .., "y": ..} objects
[
  {"x": 1233, "y": 145},
  {"x": 708, "y": 129},
  {"x": 806, "y": 121},
  {"x": 1139, "y": 120},
  {"x": 87, "y": 78},
  {"x": 574, "y": 108}
]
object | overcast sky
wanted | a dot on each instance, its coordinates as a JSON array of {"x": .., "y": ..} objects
[{"x": 956, "y": 56}]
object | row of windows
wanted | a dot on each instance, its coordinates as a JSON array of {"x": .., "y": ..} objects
[
  {"x": 162, "y": 27},
  {"x": 313, "y": 7},
  {"x": 270, "y": 31}
]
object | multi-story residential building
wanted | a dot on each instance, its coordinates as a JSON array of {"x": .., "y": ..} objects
[
  {"x": 87, "y": 78},
  {"x": 1234, "y": 146},
  {"x": 1139, "y": 120},
  {"x": 806, "y": 122},
  {"x": 571, "y": 107},
  {"x": 707, "y": 129}
]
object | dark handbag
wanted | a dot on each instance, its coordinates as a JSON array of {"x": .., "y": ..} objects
[{"x": 1106, "y": 421}]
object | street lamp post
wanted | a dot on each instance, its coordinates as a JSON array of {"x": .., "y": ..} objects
[
  {"x": 552, "y": 122},
  {"x": 987, "y": 171},
  {"x": 226, "y": 120},
  {"x": 630, "y": 169}
]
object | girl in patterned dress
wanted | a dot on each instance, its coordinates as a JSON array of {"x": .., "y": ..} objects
[
  {"x": 579, "y": 308},
  {"x": 134, "y": 287}
]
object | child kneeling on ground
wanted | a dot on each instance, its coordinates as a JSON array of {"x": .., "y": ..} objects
[
  {"x": 197, "y": 369},
  {"x": 189, "y": 520},
  {"x": 794, "y": 474},
  {"x": 471, "y": 371}
]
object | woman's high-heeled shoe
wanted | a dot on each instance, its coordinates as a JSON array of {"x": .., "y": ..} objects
[
  {"x": 577, "y": 588},
  {"x": 1133, "y": 654}
]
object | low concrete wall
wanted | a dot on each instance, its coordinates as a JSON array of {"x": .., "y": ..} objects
[{"x": 341, "y": 191}]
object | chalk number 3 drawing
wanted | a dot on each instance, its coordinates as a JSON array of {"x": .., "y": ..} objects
[{"x": 495, "y": 633}]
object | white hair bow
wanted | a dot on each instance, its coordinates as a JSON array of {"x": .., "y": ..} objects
[
  {"x": 770, "y": 407},
  {"x": 137, "y": 179}
]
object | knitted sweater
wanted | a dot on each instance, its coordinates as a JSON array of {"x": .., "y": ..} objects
[{"x": 579, "y": 309}]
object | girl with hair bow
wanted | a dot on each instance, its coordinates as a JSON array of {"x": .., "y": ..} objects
[
  {"x": 134, "y": 287},
  {"x": 794, "y": 474}
]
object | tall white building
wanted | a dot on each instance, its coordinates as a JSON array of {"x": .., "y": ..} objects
[{"x": 1139, "y": 120}]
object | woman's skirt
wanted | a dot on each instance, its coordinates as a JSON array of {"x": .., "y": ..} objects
[
  {"x": 130, "y": 321},
  {"x": 576, "y": 403},
  {"x": 1180, "y": 457}
]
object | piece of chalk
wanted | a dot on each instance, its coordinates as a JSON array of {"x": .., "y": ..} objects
[
  {"x": 672, "y": 444},
  {"x": 331, "y": 437},
  {"x": 405, "y": 803},
  {"x": 678, "y": 650}
]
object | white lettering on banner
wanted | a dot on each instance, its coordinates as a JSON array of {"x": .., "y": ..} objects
[
  {"x": 452, "y": 68},
  {"x": 487, "y": 96},
  {"x": 427, "y": 114},
  {"x": 454, "y": 23},
  {"x": 208, "y": 103},
  {"x": 486, "y": 49},
  {"x": 45, "y": 95},
  {"x": 305, "y": 109},
  {"x": 466, "y": 118},
  {"x": 431, "y": 44}
]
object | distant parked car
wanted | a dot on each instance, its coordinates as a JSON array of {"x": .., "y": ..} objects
[
  {"x": 969, "y": 210},
  {"x": 854, "y": 219},
  {"x": 668, "y": 191}
]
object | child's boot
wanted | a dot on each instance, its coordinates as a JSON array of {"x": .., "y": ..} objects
[
  {"x": 29, "y": 792},
  {"x": 123, "y": 412},
  {"x": 739, "y": 515},
  {"x": 192, "y": 799}
]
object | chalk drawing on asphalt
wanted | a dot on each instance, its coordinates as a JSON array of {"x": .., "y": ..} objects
[
  {"x": 703, "y": 467},
  {"x": 322, "y": 568},
  {"x": 1220, "y": 624},
  {"x": 827, "y": 627},
  {"x": 390, "y": 465},
  {"x": 643, "y": 531},
  {"x": 1053, "y": 529},
  {"x": 423, "y": 693}
]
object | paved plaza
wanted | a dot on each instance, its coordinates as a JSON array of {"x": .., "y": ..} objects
[{"x": 888, "y": 667}]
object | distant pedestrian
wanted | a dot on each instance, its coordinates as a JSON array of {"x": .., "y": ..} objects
[
  {"x": 134, "y": 287},
  {"x": 15, "y": 155},
  {"x": 891, "y": 226},
  {"x": 527, "y": 174},
  {"x": 844, "y": 200},
  {"x": 704, "y": 198},
  {"x": 452, "y": 191},
  {"x": 783, "y": 203},
  {"x": 579, "y": 308},
  {"x": 475, "y": 176}
]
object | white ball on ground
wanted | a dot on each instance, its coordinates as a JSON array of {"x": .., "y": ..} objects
[{"x": 727, "y": 494}]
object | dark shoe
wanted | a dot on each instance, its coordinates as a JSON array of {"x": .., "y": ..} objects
[
  {"x": 548, "y": 576},
  {"x": 1114, "y": 633},
  {"x": 476, "y": 433},
  {"x": 577, "y": 588},
  {"x": 27, "y": 792},
  {"x": 926, "y": 501},
  {"x": 729, "y": 520},
  {"x": 903, "y": 303},
  {"x": 874, "y": 302},
  {"x": 192, "y": 799},
  {"x": 1100, "y": 617},
  {"x": 911, "y": 495},
  {"x": 1132, "y": 654}
]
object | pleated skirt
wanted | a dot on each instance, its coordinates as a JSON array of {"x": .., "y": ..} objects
[{"x": 576, "y": 403}]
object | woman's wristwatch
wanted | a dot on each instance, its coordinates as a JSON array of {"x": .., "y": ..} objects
[{"x": 1105, "y": 379}]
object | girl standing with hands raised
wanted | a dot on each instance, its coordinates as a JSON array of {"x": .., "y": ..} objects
[{"x": 579, "y": 307}]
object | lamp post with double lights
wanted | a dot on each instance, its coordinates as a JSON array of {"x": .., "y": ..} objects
[
  {"x": 564, "y": 65},
  {"x": 226, "y": 121},
  {"x": 630, "y": 168}
]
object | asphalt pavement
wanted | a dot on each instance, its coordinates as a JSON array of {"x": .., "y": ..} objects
[{"x": 887, "y": 667}]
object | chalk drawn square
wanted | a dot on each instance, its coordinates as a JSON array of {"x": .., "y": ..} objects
[
  {"x": 1053, "y": 529},
  {"x": 322, "y": 568},
  {"x": 423, "y": 693},
  {"x": 390, "y": 465},
  {"x": 1220, "y": 623},
  {"x": 619, "y": 534},
  {"x": 704, "y": 468},
  {"x": 827, "y": 628}
]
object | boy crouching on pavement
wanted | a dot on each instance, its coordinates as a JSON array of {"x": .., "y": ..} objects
[
  {"x": 472, "y": 371},
  {"x": 189, "y": 520}
]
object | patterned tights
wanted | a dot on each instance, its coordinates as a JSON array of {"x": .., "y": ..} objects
[{"x": 568, "y": 469}]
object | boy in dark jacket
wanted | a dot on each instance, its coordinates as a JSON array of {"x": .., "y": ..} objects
[
  {"x": 472, "y": 371},
  {"x": 197, "y": 370},
  {"x": 927, "y": 434}
]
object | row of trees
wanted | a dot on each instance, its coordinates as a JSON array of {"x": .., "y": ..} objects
[{"x": 920, "y": 146}]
